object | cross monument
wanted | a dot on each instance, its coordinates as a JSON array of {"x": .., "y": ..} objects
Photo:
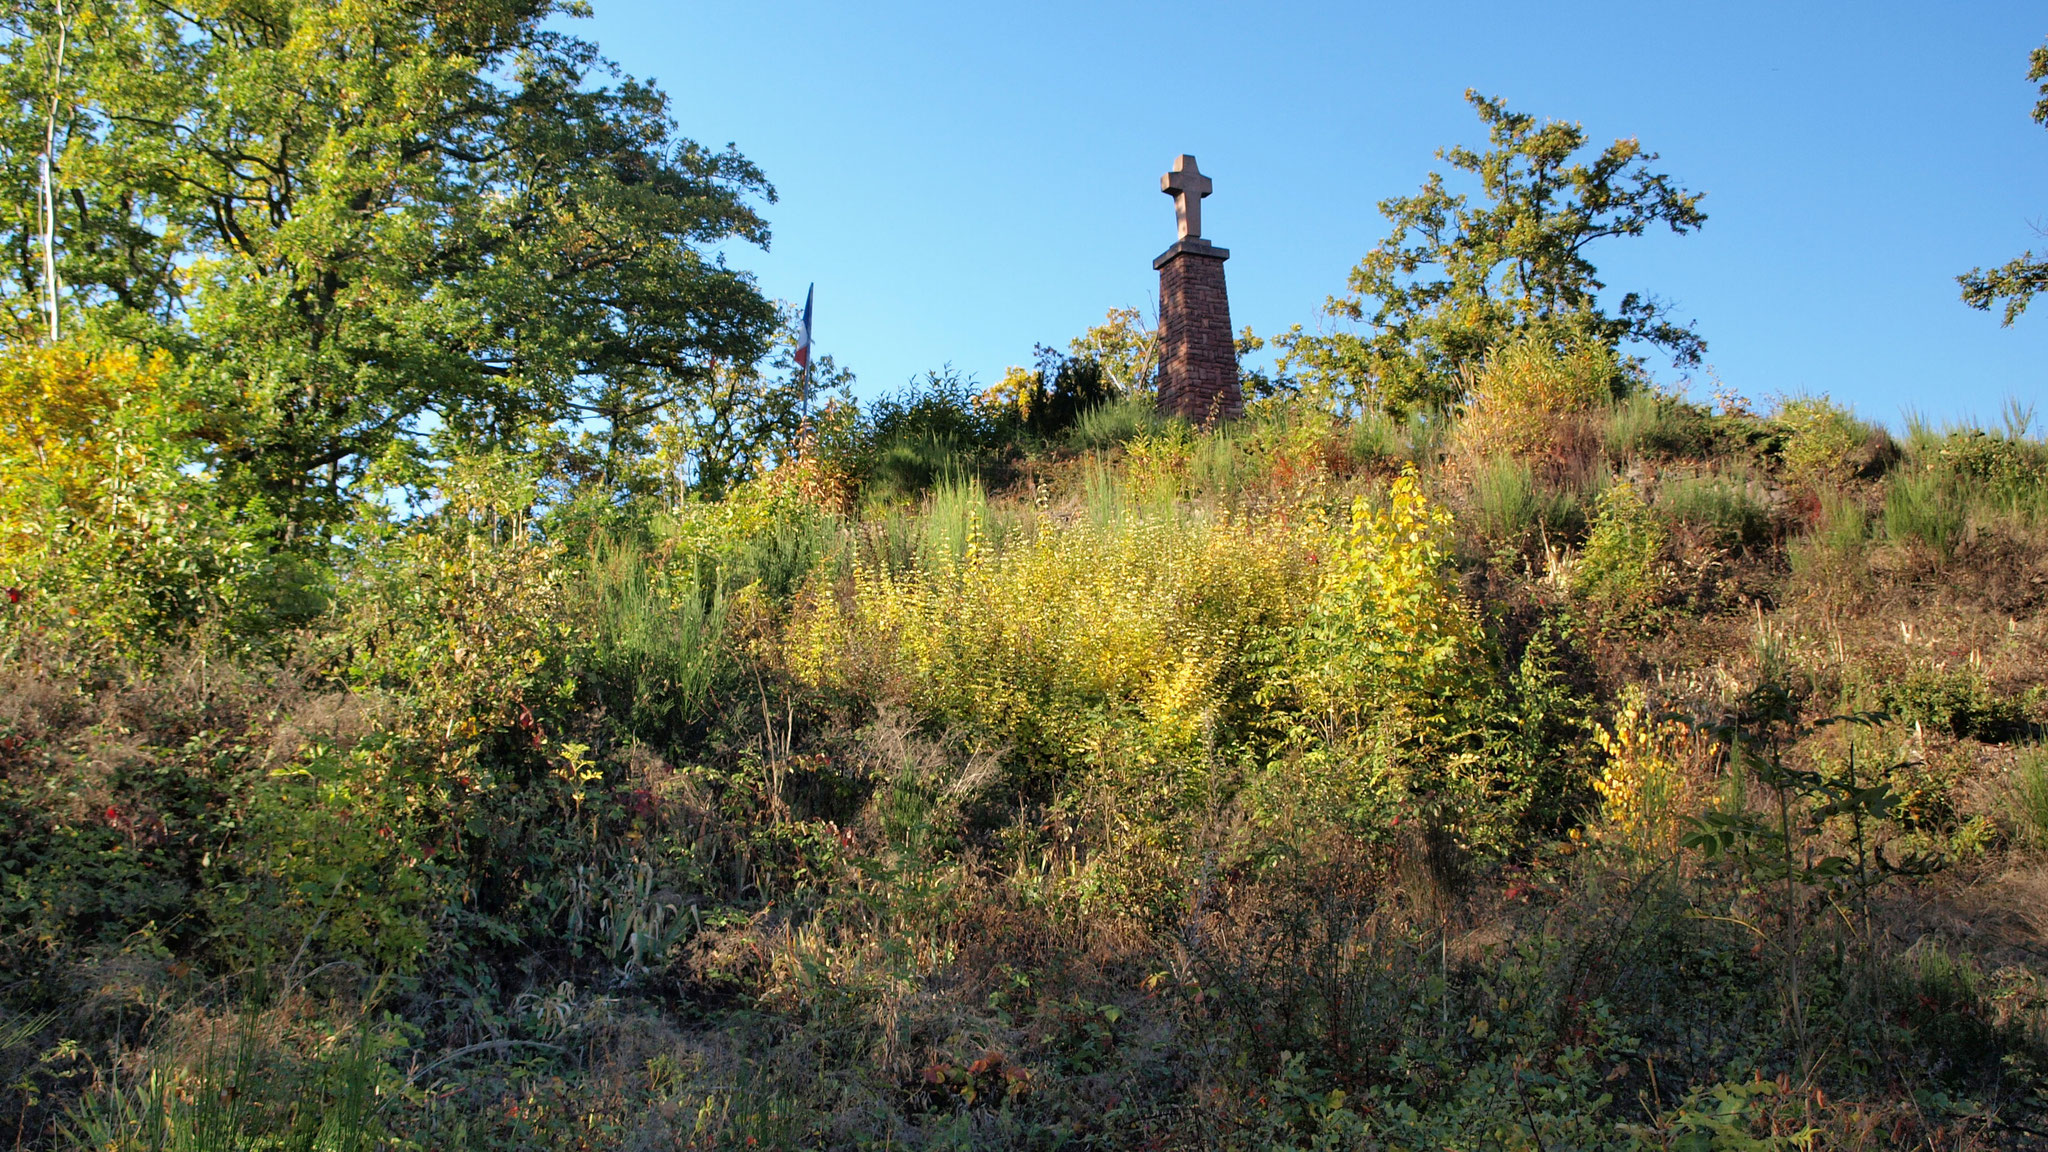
[
  {"x": 1197, "y": 349},
  {"x": 1187, "y": 186}
]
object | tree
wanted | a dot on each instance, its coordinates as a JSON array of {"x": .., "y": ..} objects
[
  {"x": 1457, "y": 277},
  {"x": 359, "y": 225},
  {"x": 1126, "y": 350},
  {"x": 2017, "y": 281}
]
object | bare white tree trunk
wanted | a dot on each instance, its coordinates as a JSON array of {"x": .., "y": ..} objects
[{"x": 48, "y": 202}]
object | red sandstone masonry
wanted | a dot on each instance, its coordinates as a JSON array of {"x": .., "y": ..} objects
[{"x": 1198, "y": 351}]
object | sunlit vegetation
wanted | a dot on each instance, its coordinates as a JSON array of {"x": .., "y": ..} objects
[{"x": 1492, "y": 750}]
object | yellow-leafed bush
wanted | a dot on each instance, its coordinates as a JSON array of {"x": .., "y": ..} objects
[
  {"x": 1643, "y": 784},
  {"x": 60, "y": 458},
  {"x": 1537, "y": 402},
  {"x": 1114, "y": 663},
  {"x": 1388, "y": 671},
  {"x": 1073, "y": 635},
  {"x": 105, "y": 529},
  {"x": 1622, "y": 566}
]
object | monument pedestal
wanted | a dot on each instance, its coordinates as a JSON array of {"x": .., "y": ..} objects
[{"x": 1198, "y": 350}]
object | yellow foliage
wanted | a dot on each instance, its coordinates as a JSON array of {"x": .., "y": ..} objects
[
  {"x": 54, "y": 405},
  {"x": 1535, "y": 401},
  {"x": 1143, "y": 617},
  {"x": 62, "y": 461},
  {"x": 1821, "y": 440},
  {"x": 1389, "y": 672},
  {"x": 1159, "y": 464},
  {"x": 1389, "y": 626},
  {"x": 1014, "y": 393},
  {"x": 1108, "y": 655},
  {"x": 1643, "y": 785}
]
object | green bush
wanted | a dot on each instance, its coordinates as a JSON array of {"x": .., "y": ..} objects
[
  {"x": 1823, "y": 445},
  {"x": 1622, "y": 562},
  {"x": 1959, "y": 701}
]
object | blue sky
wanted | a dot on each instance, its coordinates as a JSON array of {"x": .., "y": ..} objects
[{"x": 965, "y": 180}]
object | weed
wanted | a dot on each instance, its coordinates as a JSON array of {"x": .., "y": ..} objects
[
  {"x": 1655, "y": 424},
  {"x": 1924, "y": 508}
]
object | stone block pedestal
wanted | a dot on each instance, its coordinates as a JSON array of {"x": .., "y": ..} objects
[{"x": 1198, "y": 350}]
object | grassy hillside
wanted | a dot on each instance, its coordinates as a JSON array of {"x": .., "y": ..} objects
[{"x": 1574, "y": 773}]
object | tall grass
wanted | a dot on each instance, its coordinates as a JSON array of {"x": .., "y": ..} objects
[
  {"x": 1833, "y": 547},
  {"x": 1926, "y": 508},
  {"x": 1965, "y": 480},
  {"x": 1723, "y": 508},
  {"x": 954, "y": 518},
  {"x": 660, "y": 638},
  {"x": 239, "y": 1095},
  {"x": 1375, "y": 438},
  {"x": 1111, "y": 495},
  {"x": 2028, "y": 796},
  {"x": 1115, "y": 422},
  {"x": 1511, "y": 505}
]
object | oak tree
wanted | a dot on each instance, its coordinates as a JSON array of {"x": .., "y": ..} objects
[
  {"x": 2016, "y": 281},
  {"x": 364, "y": 225},
  {"x": 1461, "y": 272}
]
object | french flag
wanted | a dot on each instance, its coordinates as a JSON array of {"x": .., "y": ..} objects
[{"x": 803, "y": 334}]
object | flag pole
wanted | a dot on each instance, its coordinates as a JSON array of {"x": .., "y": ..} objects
[{"x": 803, "y": 370}]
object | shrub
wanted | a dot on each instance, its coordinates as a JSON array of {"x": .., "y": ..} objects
[
  {"x": 1996, "y": 478},
  {"x": 1538, "y": 402},
  {"x": 1386, "y": 675},
  {"x": 107, "y": 528},
  {"x": 1642, "y": 786},
  {"x": 1824, "y": 445},
  {"x": 1050, "y": 399},
  {"x": 762, "y": 535},
  {"x": 1959, "y": 701},
  {"x": 1110, "y": 659},
  {"x": 1621, "y": 565}
]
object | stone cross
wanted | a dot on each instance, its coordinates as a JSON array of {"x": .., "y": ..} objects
[
  {"x": 1197, "y": 353},
  {"x": 1187, "y": 186}
]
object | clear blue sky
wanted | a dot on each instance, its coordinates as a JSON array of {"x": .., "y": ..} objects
[{"x": 963, "y": 180}]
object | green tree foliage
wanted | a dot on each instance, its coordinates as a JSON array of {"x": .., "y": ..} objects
[
  {"x": 2017, "y": 281},
  {"x": 378, "y": 221},
  {"x": 1458, "y": 276},
  {"x": 1126, "y": 351}
]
